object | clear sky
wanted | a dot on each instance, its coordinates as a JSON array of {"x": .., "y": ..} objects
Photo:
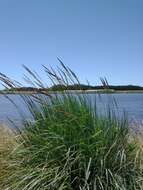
[{"x": 95, "y": 38}]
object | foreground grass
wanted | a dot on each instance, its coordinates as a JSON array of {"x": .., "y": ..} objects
[
  {"x": 68, "y": 146},
  {"x": 7, "y": 145}
]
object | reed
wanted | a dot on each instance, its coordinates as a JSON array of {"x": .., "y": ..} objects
[{"x": 70, "y": 146}]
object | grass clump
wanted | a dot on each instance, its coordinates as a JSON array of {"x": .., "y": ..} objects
[{"x": 69, "y": 146}]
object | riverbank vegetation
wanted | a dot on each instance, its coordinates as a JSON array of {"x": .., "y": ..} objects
[
  {"x": 76, "y": 87},
  {"x": 69, "y": 145}
]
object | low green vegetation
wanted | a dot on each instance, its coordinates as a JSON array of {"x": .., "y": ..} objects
[{"x": 69, "y": 146}]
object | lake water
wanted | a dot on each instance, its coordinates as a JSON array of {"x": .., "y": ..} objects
[{"x": 132, "y": 103}]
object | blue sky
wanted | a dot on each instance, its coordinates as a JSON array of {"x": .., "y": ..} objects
[{"x": 95, "y": 38}]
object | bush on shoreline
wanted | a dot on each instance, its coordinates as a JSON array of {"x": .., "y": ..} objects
[{"x": 71, "y": 147}]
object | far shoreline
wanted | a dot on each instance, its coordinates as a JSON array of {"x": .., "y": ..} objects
[{"x": 72, "y": 91}]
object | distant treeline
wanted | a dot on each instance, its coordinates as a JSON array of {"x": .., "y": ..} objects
[
  {"x": 80, "y": 87},
  {"x": 89, "y": 87}
]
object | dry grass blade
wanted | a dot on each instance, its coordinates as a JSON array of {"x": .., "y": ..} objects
[
  {"x": 104, "y": 83},
  {"x": 35, "y": 76},
  {"x": 7, "y": 144}
]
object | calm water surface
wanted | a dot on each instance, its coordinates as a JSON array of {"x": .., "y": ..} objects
[{"x": 132, "y": 103}]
